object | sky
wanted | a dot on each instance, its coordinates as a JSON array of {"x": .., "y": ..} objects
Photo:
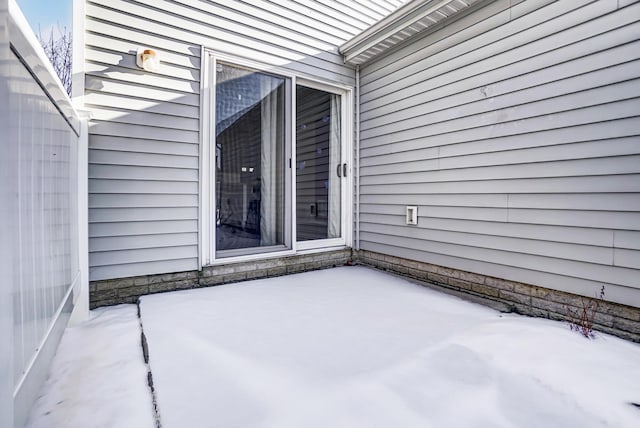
[{"x": 47, "y": 14}]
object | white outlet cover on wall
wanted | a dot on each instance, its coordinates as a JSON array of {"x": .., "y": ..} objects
[{"x": 412, "y": 215}]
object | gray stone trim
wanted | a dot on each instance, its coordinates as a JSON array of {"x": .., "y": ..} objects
[
  {"x": 509, "y": 296},
  {"x": 128, "y": 290}
]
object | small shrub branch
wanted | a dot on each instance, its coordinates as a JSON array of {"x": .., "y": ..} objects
[{"x": 582, "y": 319}]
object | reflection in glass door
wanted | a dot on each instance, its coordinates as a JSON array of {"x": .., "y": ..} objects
[
  {"x": 250, "y": 182},
  {"x": 319, "y": 167}
]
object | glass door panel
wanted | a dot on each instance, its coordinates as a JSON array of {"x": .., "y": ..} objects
[
  {"x": 318, "y": 165},
  {"x": 250, "y": 181}
]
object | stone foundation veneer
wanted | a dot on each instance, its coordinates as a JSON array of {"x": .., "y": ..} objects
[
  {"x": 128, "y": 290},
  {"x": 509, "y": 296}
]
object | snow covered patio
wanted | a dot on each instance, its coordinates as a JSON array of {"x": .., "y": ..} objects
[{"x": 345, "y": 347}]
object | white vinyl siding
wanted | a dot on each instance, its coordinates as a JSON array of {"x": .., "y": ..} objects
[
  {"x": 517, "y": 135},
  {"x": 145, "y": 128}
]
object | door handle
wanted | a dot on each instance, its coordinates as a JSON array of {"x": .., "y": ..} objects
[
  {"x": 339, "y": 170},
  {"x": 344, "y": 169}
]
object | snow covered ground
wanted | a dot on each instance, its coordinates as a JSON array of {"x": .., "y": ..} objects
[
  {"x": 346, "y": 347},
  {"x": 352, "y": 347},
  {"x": 98, "y": 378}
]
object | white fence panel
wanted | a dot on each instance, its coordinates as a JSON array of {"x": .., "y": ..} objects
[{"x": 41, "y": 263}]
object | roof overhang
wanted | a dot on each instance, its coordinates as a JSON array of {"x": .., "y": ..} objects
[{"x": 413, "y": 18}]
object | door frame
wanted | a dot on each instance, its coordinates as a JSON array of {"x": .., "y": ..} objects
[
  {"x": 206, "y": 220},
  {"x": 344, "y": 155}
]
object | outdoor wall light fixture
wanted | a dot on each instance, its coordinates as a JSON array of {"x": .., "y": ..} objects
[{"x": 148, "y": 59}]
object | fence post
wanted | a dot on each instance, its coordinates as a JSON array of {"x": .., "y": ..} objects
[{"x": 81, "y": 294}]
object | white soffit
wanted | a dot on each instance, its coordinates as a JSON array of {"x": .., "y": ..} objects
[{"x": 407, "y": 21}]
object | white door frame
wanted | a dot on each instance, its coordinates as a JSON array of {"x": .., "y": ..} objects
[
  {"x": 346, "y": 182},
  {"x": 206, "y": 221}
]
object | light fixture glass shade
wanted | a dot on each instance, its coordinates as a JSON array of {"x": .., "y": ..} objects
[{"x": 148, "y": 59}]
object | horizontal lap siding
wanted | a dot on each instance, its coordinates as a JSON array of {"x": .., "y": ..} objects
[
  {"x": 145, "y": 127},
  {"x": 516, "y": 134}
]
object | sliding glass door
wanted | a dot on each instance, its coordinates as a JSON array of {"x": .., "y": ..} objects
[
  {"x": 250, "y": 161},
  {"x": 275, "y": 172},
  {"x": 319, "y": 167}
]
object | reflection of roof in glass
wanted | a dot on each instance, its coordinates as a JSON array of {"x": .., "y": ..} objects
[{"x": 238, "y": 91}]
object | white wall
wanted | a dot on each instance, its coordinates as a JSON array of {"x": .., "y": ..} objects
[{"x": 517, "y": 136}]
